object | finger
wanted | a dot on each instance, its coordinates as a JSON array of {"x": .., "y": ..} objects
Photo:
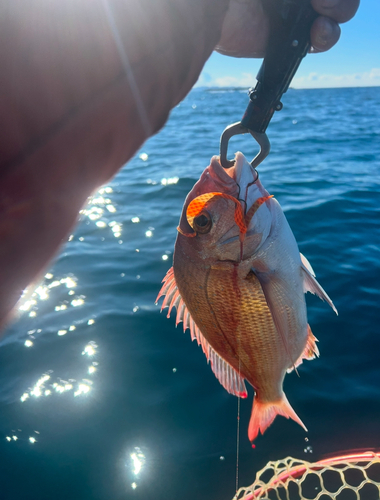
[
  {"x": 324, "y": 34},
  {"x": 245, "y": 30},
  {"x": 340, "y": 11}
]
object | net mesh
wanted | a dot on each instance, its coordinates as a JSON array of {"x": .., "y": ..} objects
[{"x": 347, "y": 477}]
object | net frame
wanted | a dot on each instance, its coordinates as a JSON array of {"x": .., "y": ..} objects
[{"x": 295, "y": 470}]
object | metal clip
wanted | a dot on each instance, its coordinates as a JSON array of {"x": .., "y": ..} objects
[
  {"x": 236, "y": 129},
  {"x": 289, "y": 42}
]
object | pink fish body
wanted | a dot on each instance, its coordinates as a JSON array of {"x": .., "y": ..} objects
[{"x": 238, "y": 282}]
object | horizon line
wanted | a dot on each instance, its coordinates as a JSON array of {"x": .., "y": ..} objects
[{"x": 243, "y": 87}]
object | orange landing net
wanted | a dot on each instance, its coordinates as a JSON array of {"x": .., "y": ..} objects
[{"x": 354, "y": 476}]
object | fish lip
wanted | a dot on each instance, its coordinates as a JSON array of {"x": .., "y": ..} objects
[
  {"x": 224, "y": 179},
  {"x": 222, "y": 174}
]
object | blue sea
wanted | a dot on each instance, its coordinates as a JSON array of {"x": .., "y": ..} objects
[{"x": 102, "y": 398}]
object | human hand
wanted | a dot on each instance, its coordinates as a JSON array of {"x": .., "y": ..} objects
[
  {"x": 246, "y": 27},
  {"x": 87, "y": 86}
]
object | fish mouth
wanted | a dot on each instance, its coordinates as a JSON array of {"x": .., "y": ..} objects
[
  {"x": 234, "y": 180},
  {"x": 240, "y": 181},
  {"x": 241, "y": 172}
]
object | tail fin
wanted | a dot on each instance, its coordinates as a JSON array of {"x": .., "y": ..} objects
[{"x": 264, "y": 413}]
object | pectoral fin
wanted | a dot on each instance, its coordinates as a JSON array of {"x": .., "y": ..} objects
[
  {"x": 312, "y": 285},
  {"x": 227, "y": 376}
]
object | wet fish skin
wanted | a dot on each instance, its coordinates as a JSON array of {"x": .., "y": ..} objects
[{"x": 244, "y": 302}]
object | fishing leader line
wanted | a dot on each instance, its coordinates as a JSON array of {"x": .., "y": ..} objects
[{"x": 237, "y": 440}]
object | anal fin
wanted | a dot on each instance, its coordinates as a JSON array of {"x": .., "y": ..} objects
[{"x": 311, "y": 350}]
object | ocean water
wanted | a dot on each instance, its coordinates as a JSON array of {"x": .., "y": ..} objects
[{"x": 101, "y": 397}]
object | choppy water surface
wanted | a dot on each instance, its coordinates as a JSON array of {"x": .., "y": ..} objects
[{"x": 103, "y": 398}]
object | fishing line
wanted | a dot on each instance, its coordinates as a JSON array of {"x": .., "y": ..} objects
[
  {"x": 239, "y": 351},
  {"x": 238, "y": 439},
  {"x": 238, "y": 185},
  {"x": 245, "y": 203},
  {"x": 241, "y": 199}
]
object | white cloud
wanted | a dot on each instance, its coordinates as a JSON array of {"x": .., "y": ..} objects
[
  {"x": 315, "y": 80},
  {"x": 244, "y": 80},
  {"x": 311, "y": 81}
]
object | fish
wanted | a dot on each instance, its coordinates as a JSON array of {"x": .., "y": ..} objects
[{"x": 238, "y": 283}]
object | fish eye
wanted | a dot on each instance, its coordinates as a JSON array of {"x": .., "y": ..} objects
[{"x": 202, "y": 223}]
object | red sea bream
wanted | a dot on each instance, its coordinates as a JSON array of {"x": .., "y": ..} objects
[{"x": 238, "y": 283}]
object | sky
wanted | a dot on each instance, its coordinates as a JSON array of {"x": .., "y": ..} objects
[{"x": 353, "y": 62}]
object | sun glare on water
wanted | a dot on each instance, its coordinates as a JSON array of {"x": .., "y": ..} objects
[{"x": 136, "y": 464}]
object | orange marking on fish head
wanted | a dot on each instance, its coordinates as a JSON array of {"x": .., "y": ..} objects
[
  {"x": 197, "y": 205},
  {"x": 202, "y": 225},
  {"x": 239, "y": 217},
  {"x": 251, "y": 212}
]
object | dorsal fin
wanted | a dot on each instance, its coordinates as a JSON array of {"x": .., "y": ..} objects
[
  {"x": 310, "y": 284},
  {"x": 307, "y": 264},
  {"x": 227, "y": 376}
]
